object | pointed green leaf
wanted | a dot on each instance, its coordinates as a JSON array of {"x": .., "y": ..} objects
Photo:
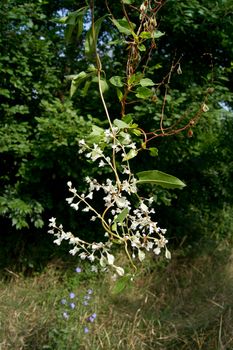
[
  {"x": 157, "y": 34},
  {"x": 123, "y": 26},
  {"x": 76, "y": 81},
  {"x": 92, "y": 36},
  {"x": 120, "y": 124},
  {"x": 157, "y": 177},
  {"x": 121, "y": 284},
  {"x": 131, "y": 154},
  {"x": 74, "y": 23},
  {"x": 153, "y": 151},
  {"x": 119, "y": 94},
  {"x": 121, "y": 217},
  {"x": 116, "y": 81},
  {"x": 143, "y": 92},
  {"x": 141, "y": 47},
  {"x": 145, "y": 35},
  {"x": 97, "y": 135},
  {"x": 146, "y": 82}
]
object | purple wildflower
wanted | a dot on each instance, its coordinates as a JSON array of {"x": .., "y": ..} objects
[
  {"x": 72, "y": 305},
  {"x": 78, "y": 269},
  {"x": 72, "y": 295}
]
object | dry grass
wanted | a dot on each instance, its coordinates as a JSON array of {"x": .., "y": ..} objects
[{"x": 186, "y": 304}]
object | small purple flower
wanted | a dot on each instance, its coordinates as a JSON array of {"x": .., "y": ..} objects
[
  {"x": 92, "y": 317},
  {"x": 78, "y": 269},
  {"x": 72, "y": 305},
  {"x": 65, "y": 315},
  {"x": 86, "y": 330},
  {"x": 85, "y": 303},
  {"x": 72, "y": 295},
  {"x": 89, "y": 291},
  {"x": 87, "y": 297},
  {"x": 63, "y": 301}
]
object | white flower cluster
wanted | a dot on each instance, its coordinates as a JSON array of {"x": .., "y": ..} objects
[{"x": 126, "y": 218}]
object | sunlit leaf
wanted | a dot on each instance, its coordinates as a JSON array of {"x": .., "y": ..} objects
[
  {"x": 157, "y": 34},
  {"x": 123, "y": 26},
  {"x": 131, "y": 154},
  {"x": 120, "y": 124},
  {"x": 116, "y": 81},
  {"x": 156, "y": 177},
  {"x": 145, "y": 35},
  {"x": 146, "y": 82}
]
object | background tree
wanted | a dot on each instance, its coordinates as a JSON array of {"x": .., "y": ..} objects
[{"x": 40, "y": 125}]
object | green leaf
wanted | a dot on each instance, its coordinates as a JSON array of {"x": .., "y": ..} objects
[
  {"x": 157, "y": 34},
  {"x": 128, "y": 2},
  {"x": 131, "y": 154},
  {"x": 157, "y": 177},
  {"x": 74, "y": 23},
  {"x": 103, "y": 83},
  {"x": 92, "y": 36},
  {"x": 116, "y": 81},
  {"x": 121, "y": 284},
  {"x": 146, "y": 82},
  {"x": 135, "y": 78},
  {"x": 76, "y": 81},
  {"x": 97, "y": 134},
  {"x": 145, "y": 35},
  {"x": 123, "y": 26},
  {"x": 119, "y": 94},
  {"x": 141, "y": 48},
  {"x": 121, "y": 217},
  {"x": 143, "y": 92},
  {"x": 120, "y": 124},
  {"x": 153, "y": 151}
]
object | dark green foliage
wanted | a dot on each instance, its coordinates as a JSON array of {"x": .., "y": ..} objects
[{"x": 40, "y": 126}]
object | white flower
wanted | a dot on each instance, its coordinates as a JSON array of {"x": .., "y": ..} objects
[
  {"x": 82, "y": 142},
  {"x": 91, "y": 257},
  {"x": 110, "y": 258},
  {"x": 75, "y": 206},
  {"x": 122, "y": 202},
  {"x": 167, "y": 254},
  {"x": 144, "y": 207},
  {"x": 70, "y": 200},
  {"x": 86, "y": 209},
  {"x": 101, "y": 163},
  {"x": 119, "y": 270},
  {"x": 74, "y": 251},
  {"x": 52, "y": 222},
  {"x": 58, "y": 241},
  {"x": 141, "y": 255},
  {"x": 90, "y": 195},
  {"x": 157, "y": 251},
  {"x": 83, "y": 255}
]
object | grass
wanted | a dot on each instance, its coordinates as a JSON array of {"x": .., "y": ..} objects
[{"x": 181, "y": 305}]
